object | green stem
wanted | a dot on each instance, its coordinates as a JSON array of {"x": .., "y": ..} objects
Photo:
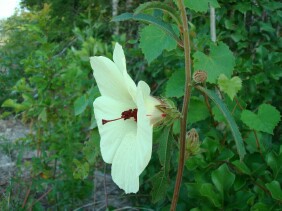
[{"x": 186, "y": 99}]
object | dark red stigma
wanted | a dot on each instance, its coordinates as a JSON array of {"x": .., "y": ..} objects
[{"x": 124, "y": 115}]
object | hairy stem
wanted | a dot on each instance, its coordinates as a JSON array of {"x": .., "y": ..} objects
[{"x": 186, "y": 100}]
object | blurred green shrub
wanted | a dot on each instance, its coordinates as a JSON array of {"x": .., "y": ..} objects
[{"x": 49, "y": 83}]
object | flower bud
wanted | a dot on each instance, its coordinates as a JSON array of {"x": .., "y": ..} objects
[
  {"x": 192, "y": 143},
  {"x": 200, "y": 76},
  {"x": 169, "y": 112}
]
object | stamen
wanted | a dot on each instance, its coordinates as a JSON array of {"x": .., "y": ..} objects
[
  {"x": 104, "y": 121},
  {"x": 130, "y": 113},
  {"x": 124, "y": 115}
]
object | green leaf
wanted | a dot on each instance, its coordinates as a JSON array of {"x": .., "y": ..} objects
[
  {"x": 91, "y": 148},
  {"x": 260, "y": 206},
  {"x": 194, "y": 162},
  {"x": 207, "y": 190},
  {"x": 160, "y": 186},
  {"x": 231, "y": 122},
  {"x": 198, "y": 110},
  {"x": 22, "y": 86},
  {"x": 210, "y": 146},
  {"x": 266, "y": 119},
  {"x": 93, "y": 123},
  {"x": 92, "y": 94},
  {"x": 167, "y": 28},
  {"x": 242, "y": 167},
  {"x": 81, "y": 171},
  {"x": 220, "y": 60},
  {"x": 160, "y": 180},
  {"x": 274, "y": 162},
  {"x": 239, "y": 183},
  {"x": 9, "y": 103},
  {"x": 165, "y": 144},
  {"x": 200, "y": 5},
  {"x": 217, "y": 115},
  {"x": 275, "y": 190},
  {"x": 43, "y": 115},
  {"x": 161, "y": 6},
  {"x": 175, "y": 84},
  {"x": 223, "y": 178},
  {"x": 80, "y": 105},
  {"x": 225, "y": 154},
  {"x": 193, "y": 190},
  {"x": 153, "y": 41},
  {"x": 252, "y": 142},
  {"x": 229, "y": 86}
]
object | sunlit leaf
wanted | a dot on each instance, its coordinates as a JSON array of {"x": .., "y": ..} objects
[
  {"x": 175, "y": 84},
  {"x": 200, "y": 5},
  {"x": 265, "y": 120},
  {"x": 10, "y": 103},
  {"x": 220, "y": 60},
  {"x": 153, "y": 41},
  {"x": 229, "y": 86},
  {"x": 161, "y": 6},
  {"x": 167, "y": 28}
]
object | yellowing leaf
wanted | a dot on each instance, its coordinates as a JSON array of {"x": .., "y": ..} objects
[{"x": 229, "y": 86}]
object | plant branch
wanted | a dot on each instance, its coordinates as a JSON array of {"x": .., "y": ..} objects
[
  {"x": 41, "y": 197},
  {"x": 26, "y": 195},
  {"x": 212, "y": 24},
  {"x": 186, "y": 99}
]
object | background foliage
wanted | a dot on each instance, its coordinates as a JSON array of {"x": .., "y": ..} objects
[{"x": 46, "y": 80}]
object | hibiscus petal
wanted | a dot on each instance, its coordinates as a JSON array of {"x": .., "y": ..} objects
[
  {"x": 109, "y": 79},
  {"x": 144, "y": 129},
  {"x": 124, "y": 172},
  {"x": 135, "y": 150},
  {"x": 113, "y": 132},
  {"x": 119, "y": 59},
  {"x": 150, "y": 103}
]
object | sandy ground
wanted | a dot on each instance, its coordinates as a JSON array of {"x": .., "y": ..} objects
[{"x": 10, "y": 132}]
